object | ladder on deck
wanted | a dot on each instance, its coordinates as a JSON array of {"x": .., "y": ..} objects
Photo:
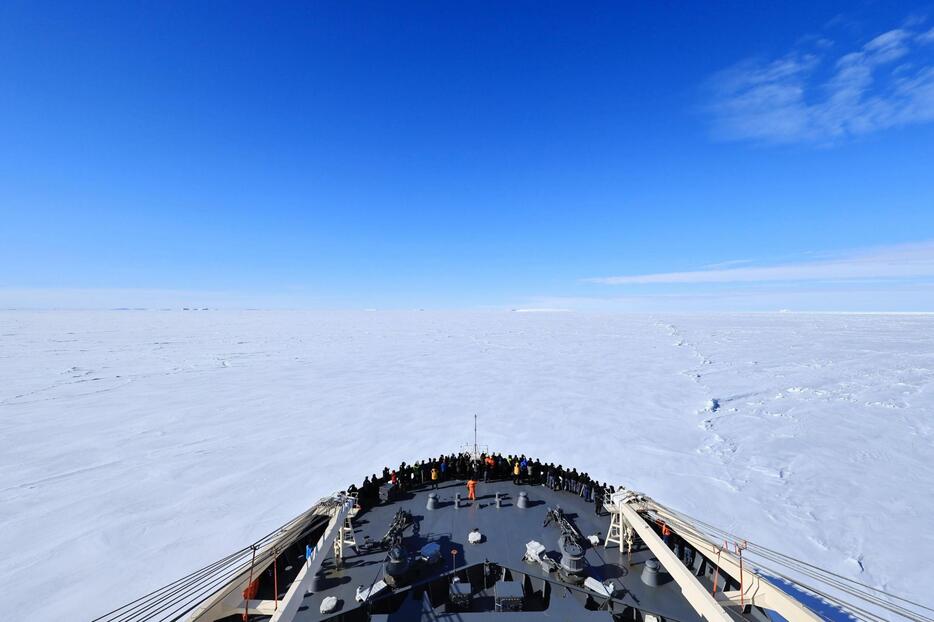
[
  {"x": 621, "y": 532},
  {"x": 345, "y": 535}
]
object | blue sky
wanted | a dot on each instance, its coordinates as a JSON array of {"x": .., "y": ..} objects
[{"x": 662, "y": 156}]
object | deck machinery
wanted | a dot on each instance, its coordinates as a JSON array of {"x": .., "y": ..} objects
[
  {"x": 526, "y": 551},
  {"x": 516, "y": 552}
]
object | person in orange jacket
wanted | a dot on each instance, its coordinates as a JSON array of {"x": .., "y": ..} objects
[
  {"x": 472, "y": 489},
  {"x": 434, "y": 478}
]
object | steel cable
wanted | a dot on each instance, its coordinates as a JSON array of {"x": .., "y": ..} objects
[
  {"x": 844, "y": 584},
  {"x": 191, "y": 589}
]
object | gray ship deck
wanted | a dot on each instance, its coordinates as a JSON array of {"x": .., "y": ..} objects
[{"x": 506, "y": 530}]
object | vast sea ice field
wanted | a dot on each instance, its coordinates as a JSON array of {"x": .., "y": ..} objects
[{"x": 138, "y": 446}]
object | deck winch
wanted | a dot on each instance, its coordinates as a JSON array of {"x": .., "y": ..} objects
[
  {"x": 571, "y": 545},
  {"x": 397, "y": 566}
]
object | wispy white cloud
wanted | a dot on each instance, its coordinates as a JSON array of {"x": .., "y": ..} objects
[
  {"x": 900, "y": 261},
  {"x": 727, "y": 264},
  {"x": 819, "y": 94}
]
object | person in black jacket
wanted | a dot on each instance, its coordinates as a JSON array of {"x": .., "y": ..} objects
[{"x": 597, "y": 498}]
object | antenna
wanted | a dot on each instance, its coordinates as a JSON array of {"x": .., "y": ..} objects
[
  {"x": 465, "y": 447},
  {"x": 475, "y": 452}
]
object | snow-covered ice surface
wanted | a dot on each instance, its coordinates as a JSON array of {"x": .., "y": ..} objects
[{"x": 137, "y": 446}]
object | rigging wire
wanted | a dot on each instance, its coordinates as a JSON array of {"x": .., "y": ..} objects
[
  {"x": 874, "y": 600},
  {"x": 142, "y": 600},
  {"x": 186, "y": 592},
  {"x": 844, "y": 584},
  {"x": 797, "y": 561}
]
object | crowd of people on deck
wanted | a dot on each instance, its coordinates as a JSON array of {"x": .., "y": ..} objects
[{"x": 473, "y": 469}]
